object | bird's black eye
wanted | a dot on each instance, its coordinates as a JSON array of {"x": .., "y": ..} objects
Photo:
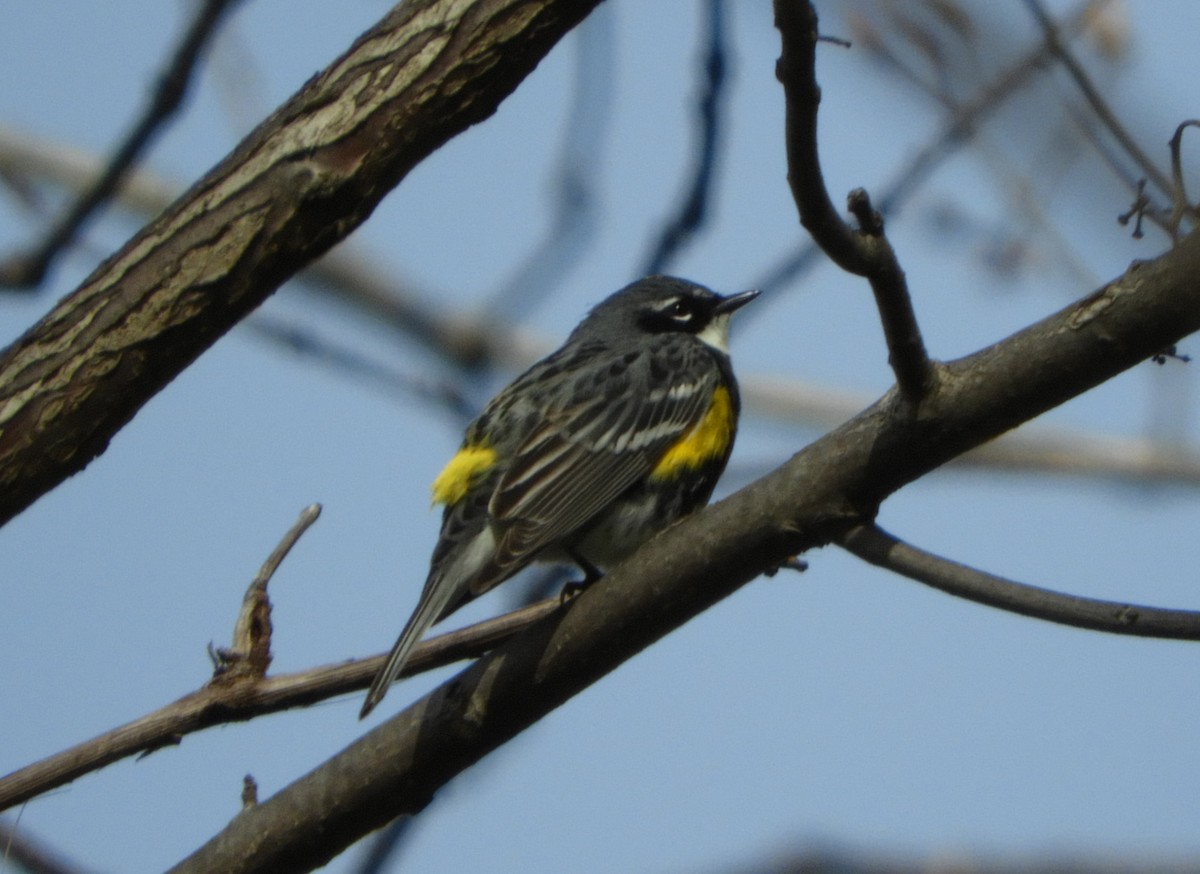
[
  {"x": 671, "y": 315},
  {"x": 680, "y": 310}
]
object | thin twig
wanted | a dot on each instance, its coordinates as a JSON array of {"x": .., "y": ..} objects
[
  {"x": 27, "y": 270},
  {"x": 250, "y": 652},
  {"x": 220, "y": 703},
  {"x": 797, "y": 23},
  {"x": 956, "y": 132},
  {"x": 863, "y": 859},
  {"x": 1036, "y": 448},
  {"x": 693, "y": 209},
  {"x": 31, "y": 160},
  {"x": 1180, "y": 205},
  {"x": 308, "y": 516},
  {"x": 874, "y": 545},
  {"x": 906, "y": 347},
  {"x": 865, "y": 252}
]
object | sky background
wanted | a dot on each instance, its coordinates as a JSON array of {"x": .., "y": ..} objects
[{"x": 844, "y": 707}]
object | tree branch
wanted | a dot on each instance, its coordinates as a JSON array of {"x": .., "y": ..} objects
[
  {"x": 239, "y": 697},
  {"x": 1180, "y": 204},
  {"x": 308, "y": 175},
  {"x": 873, "y": 544},
  {"x": 865, "y": 252},
  {"x": 956, "y": 132},
  {"x": 249, "y": 655}
]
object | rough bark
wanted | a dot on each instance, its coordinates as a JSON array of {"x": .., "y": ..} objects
[{"x": 299, "y": 183}]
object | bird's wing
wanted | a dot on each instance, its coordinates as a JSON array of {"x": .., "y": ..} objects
[
  {"x": 584, "y": 450},
  {"x": 589, "y": 448}
]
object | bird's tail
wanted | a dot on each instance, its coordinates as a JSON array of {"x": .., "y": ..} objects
[{"x": 440, "y": 592}]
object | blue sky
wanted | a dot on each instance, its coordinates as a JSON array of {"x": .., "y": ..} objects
[{"x": 845, "y": 705}]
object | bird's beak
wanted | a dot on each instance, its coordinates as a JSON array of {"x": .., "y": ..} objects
[{"x": 736, "y": 301}]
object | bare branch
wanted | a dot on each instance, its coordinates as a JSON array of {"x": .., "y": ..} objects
[
  {"x": 866, "y": 252},
  {"x": 1181, "y": 205},
  {"x": 906, "y": 347},
  {"x": 874, "y": 545},
  {"x": 28, "y": 270},
  {"x": 250, "y": 652},
  {"x": 795, "y": 70},
  {"x": 239, "y": 698},
  {"x": 31, "y": 159},
  {"x": 1036, "y": 447},
  {"x": 956, "y": 132},
  {"x": 310, "y": 174}
]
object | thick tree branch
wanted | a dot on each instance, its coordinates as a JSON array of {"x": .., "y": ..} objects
[
  {"x": 865, "y": 252},
  {"x": 308, "y": 175},
  {"x": 874, "y": 545},
  {"x": 826, "y": 490}
]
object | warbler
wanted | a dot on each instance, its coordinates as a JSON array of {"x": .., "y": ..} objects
[{"x": 589, "y": 453}]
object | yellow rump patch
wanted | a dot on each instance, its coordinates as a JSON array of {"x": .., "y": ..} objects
[
  {"x": 460, "y": 473},
  {"x": 708, "y": 439}
]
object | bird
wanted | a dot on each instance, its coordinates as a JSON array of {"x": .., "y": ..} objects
[{"x": 590, "y": 452}]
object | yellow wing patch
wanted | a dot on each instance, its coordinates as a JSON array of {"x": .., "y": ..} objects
[
  {"x": 461, "y": 472},
  {"x": 708, "y": 439}
]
